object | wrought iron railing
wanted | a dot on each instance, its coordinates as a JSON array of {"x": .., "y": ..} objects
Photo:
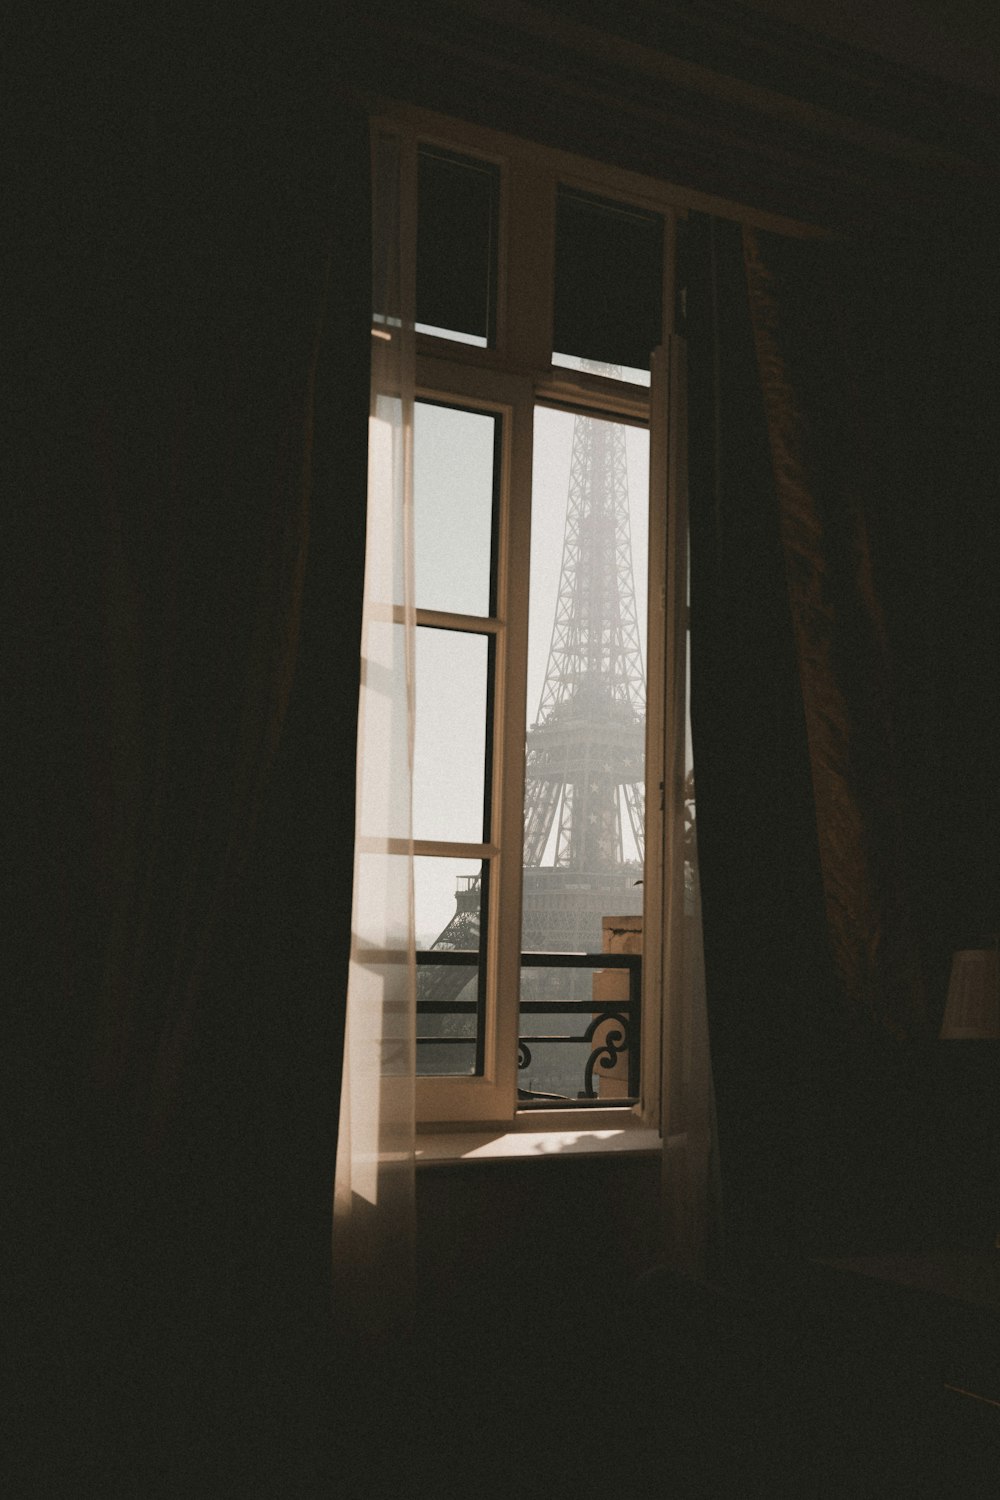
[{"x": 619, "y": 1018}]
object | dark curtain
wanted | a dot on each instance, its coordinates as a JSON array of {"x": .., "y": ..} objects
[
  {"x": 189, "y": 538},
  {"x": 817, "y": 997}
]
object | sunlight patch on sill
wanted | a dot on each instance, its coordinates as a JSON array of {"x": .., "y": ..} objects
[{"x": 461, "y": 1146}]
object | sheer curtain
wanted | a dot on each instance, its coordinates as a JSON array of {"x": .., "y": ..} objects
[
  {"x": 374, "y": 1188},
  {"x": 690, "y": 1190}
]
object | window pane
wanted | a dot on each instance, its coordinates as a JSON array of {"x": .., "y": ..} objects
[
  {"x": 454, "y": 476},
  {"x": 585, "y": 753},
  {"x": 450, "y": 897},
  {"x": 608, "y": 283},
  {"x": 457, "y": 217},
  {"x": 452, "y": 679}
]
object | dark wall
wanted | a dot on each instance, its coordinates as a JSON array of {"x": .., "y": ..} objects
[
  {"x": 526, "y": 1355},
  {"x": 544, "y": 1236}
]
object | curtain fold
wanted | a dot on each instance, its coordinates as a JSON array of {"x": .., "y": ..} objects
[
  {"x": 224, "y": 659},
  {"x": 800, "y": 317},
  {"x": 814, "y": 988}
]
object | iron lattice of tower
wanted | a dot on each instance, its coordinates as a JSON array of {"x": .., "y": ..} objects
[{"x": 585, "y": 752}]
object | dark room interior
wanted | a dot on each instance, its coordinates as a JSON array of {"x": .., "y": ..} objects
[{"x": 190, "y": 390}]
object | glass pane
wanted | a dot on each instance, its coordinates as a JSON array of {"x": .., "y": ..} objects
[
  {"x": 457, "y": 219},
  {"x": 449, "y": 764},
  {"x": 584, "y": 815},
  {"x": 449, "y": 905},
  {"x": 453, "y": 498},
  {"x": 608, "y": 283}
]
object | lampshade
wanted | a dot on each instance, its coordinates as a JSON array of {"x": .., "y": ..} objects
[{"x": 972, "y": 1011}]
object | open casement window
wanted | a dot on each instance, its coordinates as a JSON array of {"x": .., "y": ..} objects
[{"x": 543, "y": 306}]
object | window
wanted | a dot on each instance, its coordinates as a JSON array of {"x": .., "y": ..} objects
[{"x": 543, "y": 299}]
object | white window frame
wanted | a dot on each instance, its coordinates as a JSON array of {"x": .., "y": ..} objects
[{"x": 512, "y": 378}]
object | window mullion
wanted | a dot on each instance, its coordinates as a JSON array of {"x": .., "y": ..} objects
[
  {"x": 509, "y": 739},
  {"x": 438, "y": 619},
  {"x": 530, "y": 241}
]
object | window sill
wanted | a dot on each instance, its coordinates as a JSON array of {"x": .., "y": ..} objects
[{"x": 452, "y": 1148}]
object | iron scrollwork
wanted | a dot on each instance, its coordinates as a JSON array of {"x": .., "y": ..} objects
[{"x": 613, "y": 1043}]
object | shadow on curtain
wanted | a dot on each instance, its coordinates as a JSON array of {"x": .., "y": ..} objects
[
  {"x": 816, "y": 995},
  {"x": 192, "y": 504}
]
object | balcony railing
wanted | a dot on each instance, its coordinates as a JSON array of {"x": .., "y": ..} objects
[{"x": 612, "y": 1030}]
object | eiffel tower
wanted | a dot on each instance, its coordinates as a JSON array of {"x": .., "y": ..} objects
[{"x": 585, "y": 750}]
